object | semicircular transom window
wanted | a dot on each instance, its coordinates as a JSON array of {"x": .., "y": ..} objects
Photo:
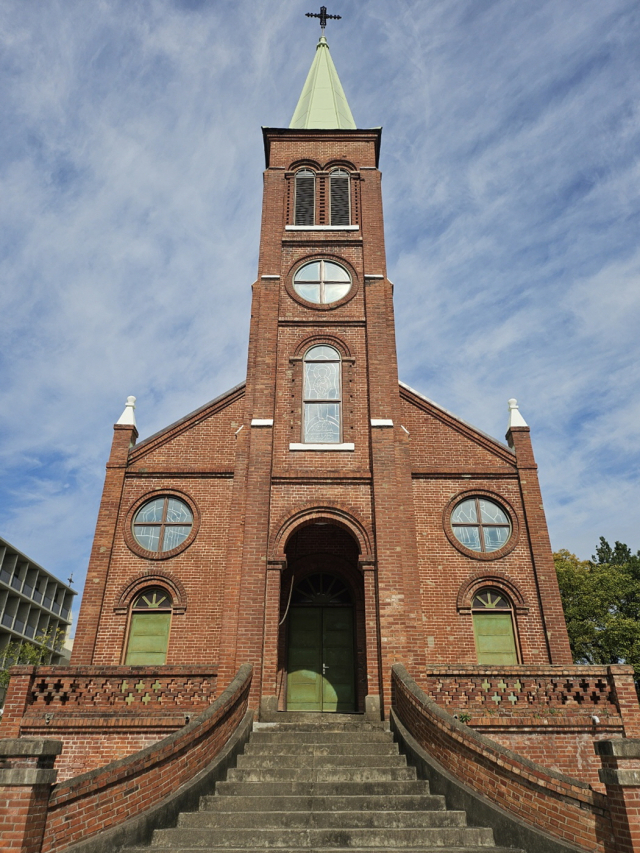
[
  {"x": 321, "y": 590},
  {"x": 481, "y": 525},
  {"x": 162, "y": 524},
  {"x": 322, "y": 282}
]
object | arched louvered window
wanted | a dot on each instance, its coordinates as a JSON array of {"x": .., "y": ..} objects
[
  {"x": 340, "y": 201},
  {"x": 305, "y": 204},
  {"x": 493, "y": 628},
  {"x": 322, "y": 396},
  {"x": 149, "y": 628}
]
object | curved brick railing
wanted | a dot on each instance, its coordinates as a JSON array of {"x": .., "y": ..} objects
[
  {"x": 104, "y": 798},
  {"x": 563, "y": 807}
]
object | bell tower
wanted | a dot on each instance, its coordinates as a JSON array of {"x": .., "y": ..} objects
[{"x": 322, "y": 442}]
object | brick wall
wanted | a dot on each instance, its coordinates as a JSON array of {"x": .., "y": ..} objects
[
  {"x": 550, "y": 715},
  {"x": 392, "y": 493},
  {"x": 102, "y": 714},
  {"x": 85, "y": 805},
  {"x": 564, "y": 807}
]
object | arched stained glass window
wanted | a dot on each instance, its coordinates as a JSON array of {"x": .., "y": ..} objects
[
  {"x": 493, "y": 628},
  {"x": 340, "y": 197},
  {"x": 149, "y": 628},
  {"x": 322, "y": 396},
  {"x": 305, "y": 197}
]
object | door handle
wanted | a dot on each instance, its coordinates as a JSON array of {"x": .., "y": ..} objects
[{"x": 324, "y": 668}]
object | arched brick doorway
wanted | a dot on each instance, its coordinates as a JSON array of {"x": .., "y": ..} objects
[{"x": 322, "y": 663}]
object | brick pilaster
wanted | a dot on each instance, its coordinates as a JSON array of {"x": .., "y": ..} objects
[
  {"x": 396, "y": 551},
  {"x": 536, "y": 524},
  {"x": 26, "y": 779},
  {"x": 16, "y": 700},
  {"x": 621, "y": 775},
  {"x": 124, "y": 437},
  {"x": 245, "y": 589},
  {"x": 626, "y": 698}
]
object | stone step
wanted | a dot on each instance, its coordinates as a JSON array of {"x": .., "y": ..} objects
[
  {"x": 322, "y": 789},
  {"x": 321, "y": 820},
  {"x": 310, "y": 762},
  {"x": 255, "y": 839},
  {"x": 446, "y": 849},
  {"x": 375, "y": 802},
  {"x": 320, "y": 737},
  {"x": 318, "y": 718},
  {"x": 323, "y": 774},
  {"x": 364, "y": 748},
  {"x": 320, "y": 726}
]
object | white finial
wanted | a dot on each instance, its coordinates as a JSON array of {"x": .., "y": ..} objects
[
  {"x": 128, "y": 417},
  {"x": 515, "y": 418}
]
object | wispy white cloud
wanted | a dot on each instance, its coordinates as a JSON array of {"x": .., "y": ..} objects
[{"x": 130, "y": 171}]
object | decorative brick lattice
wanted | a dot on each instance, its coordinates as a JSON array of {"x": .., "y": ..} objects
[
  {"x": 523, "y": 691},
  {"x": 122, "y": 689}
]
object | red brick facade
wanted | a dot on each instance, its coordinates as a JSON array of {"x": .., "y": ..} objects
[
  {"x": 387, "y": 502},
  {"x": 374, "y": 510}
]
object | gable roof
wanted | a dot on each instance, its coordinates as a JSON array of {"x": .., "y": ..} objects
[
  {"x": 468, "y": 429},
  {"x": 188, "y": 421}
]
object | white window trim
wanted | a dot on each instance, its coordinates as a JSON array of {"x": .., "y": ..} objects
[
  {"x": 321, "y": 227},
  {"x": 345, "y": 445}
]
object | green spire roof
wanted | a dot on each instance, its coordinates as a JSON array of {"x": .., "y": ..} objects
[{"x": 323, "y": 103}]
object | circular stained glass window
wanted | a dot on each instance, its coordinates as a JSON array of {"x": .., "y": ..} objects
[
  {"x": 162, "y": 524},
  {"x": 322, "y": 282},
  {"x": 480, "y": 525}
]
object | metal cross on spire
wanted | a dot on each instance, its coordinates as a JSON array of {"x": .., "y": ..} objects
[{"x": 323, "y": 17}]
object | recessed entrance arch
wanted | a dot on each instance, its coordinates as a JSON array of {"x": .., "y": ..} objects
[{"x": 322, "y": 654}]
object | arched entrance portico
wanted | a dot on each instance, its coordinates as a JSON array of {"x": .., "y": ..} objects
[{"x": 322, "y": 661}]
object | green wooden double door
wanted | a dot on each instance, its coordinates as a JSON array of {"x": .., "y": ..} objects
[{"x": 321, "y": 671}]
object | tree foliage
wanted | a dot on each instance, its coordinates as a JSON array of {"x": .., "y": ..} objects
[
  {"x": 17, "y": 652},
  {"x": 601, "y": 600}
]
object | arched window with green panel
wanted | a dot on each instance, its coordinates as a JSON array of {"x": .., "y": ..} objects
[
  {"x": 149, "y": 628},
  {"x": 494, "y": 628}
]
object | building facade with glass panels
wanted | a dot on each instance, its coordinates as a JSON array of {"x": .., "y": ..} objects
[{"x": 35, "y": 606}]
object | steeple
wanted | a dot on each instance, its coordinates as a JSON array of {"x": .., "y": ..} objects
[{"x": 323, "y": 103}]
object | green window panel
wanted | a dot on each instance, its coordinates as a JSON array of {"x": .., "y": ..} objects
[
  {"x": 495, "y": 640},
  {"x": 148, "y": 639}
]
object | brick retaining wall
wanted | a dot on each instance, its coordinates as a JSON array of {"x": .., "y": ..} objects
[
  {"x": 565, "y": 808},
  {"x": 95, "y": 801}
]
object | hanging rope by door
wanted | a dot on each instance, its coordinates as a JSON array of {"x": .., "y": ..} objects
[{"x": 286, "y": 610}]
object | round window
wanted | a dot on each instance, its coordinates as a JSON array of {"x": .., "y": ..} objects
[
  {"x": 162, "y": 524},
  {"x": 480, "y": 525},
  {"x": 322, "y": 282}
]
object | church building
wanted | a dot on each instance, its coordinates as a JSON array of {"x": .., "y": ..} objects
[
  {"x": 323, "y": 540},
  {"x": 322, "y": 520}
]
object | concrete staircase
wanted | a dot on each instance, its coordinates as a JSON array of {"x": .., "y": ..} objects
[{"x": 322, "y": 782}]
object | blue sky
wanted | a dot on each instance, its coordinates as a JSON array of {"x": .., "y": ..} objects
[{"x": 131, "y": 173}]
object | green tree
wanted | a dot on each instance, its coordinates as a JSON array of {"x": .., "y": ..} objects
[
  {"x": 17, "y": 652},
  {"x": 601, "y": 600}
]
